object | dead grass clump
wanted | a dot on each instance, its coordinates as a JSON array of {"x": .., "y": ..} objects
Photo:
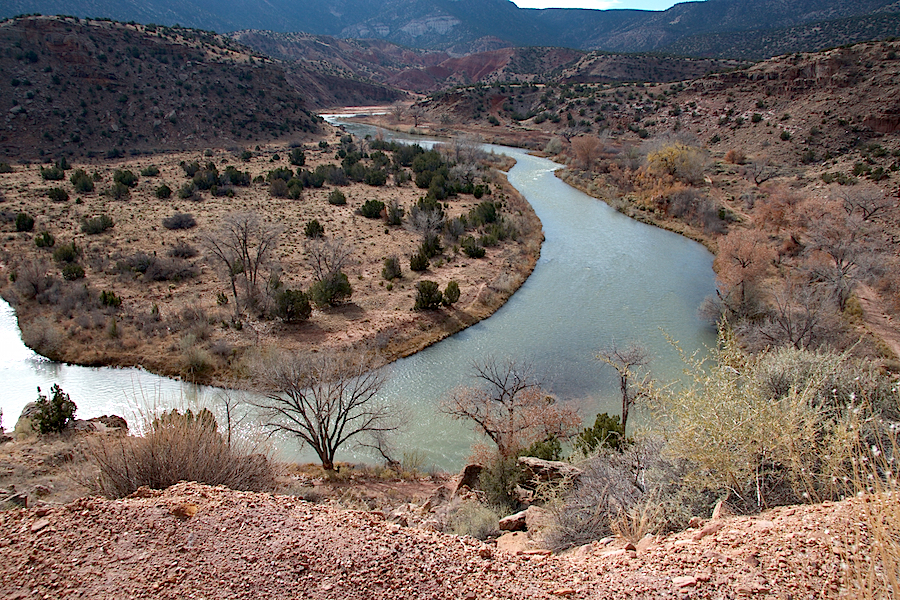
[
  {"x": 44, "y": 336},
  {"x": 176, "y": 447},
  {"x": 472, "y": 518}
]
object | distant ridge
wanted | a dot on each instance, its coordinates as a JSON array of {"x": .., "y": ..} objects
[{"x": 462, "y": 26}]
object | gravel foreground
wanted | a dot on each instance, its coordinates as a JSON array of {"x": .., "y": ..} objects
[{"x": 196, "y": 541}]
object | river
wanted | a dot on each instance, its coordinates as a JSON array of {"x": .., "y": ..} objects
[{"x": 601, "y": 277}]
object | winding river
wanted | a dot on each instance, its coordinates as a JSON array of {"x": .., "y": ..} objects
[{"x": 602, "y": 277}]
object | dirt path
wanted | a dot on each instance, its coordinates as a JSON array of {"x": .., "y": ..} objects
[
  {"x": 194, "y": 541},
  {"x": 877, "y": 319}
]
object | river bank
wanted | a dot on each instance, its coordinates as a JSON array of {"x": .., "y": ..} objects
[{"x": 181, "y": 324}]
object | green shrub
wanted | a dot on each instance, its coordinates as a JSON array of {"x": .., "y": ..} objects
[
  {"x": 125, "y": 177},
  {"x": 109, "y": 298},
  {"x": 82, "y": 182},
  {"x": 24, "y": 222},
  {"x": 119, "y": 191},
  {"x": 394, "y": 213},
  {"x": 54, "y": 412},
  {"x": 331, "y": 290},
  {"x": 371, "y": 209},
  {"x": 785, "y": 135},
  {"x": 72, "y": 271},
  {"x": 547, "y": 449},
  {"x": 471, "y": 247},
  {"x": 292, "y": 305},
  {"x": 5, "y": 168},
  {"x": 53, "y": 173},
  {"x": 428, "y": 295},
  {"x": 314, "y": 229},
  {"x": 66, "y": 253},
  {"x": 297, "y": 157},
  {"x": 151, "y": 171},
  {"x": 188, "y": 191},
  {"x": 163, "y": 192},
  {"x": 58, "y": 195},
  {"x": 391, "y": 269},
  {"x": 607, "y": 432},
  {"x": 418, "y": 262},
  {"x": 44, "y": 240},
  {"x": 498, "y": 481},
  {"x": 375, "y": 177},
  {"x": 246, "y": 155},
  {"x": 96, "y": 225},
  {"x": 451, "y": 294}
]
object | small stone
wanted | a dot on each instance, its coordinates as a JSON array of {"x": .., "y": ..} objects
[
  {"x": 709, "y": 529},
  {"x": 721, "y": 510},
  {"x": 630, "y": 547},
  {"x": 485, "y": 552},
  {"x": 685, "y": 581},
  {"x": 39, "y": 525},
  {"x": 564, "y": 592}
]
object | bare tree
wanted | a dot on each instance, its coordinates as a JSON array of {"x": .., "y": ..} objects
[
  {"x": 866, "y": 199},
  {"x": 587, "y": 150},
  {"x": 626, "y": 361},
  {"x": 397, "y": 112},
  {"x": 843, "y": 243},
  {"x": 759, "y": 170},
  {"x": 798, "y": 315},
  {"x": 417, "y": 113},
  {"x": 327, "y": 257},
  {"x": 327, "y": 400},
  {"x": 509, "y": 407},
  {"x": 243, "y": 244}
]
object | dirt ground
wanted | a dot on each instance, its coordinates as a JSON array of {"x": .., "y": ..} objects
[
  {"x": 194, "y": 541},
  {"x": 135, "y": 334}
]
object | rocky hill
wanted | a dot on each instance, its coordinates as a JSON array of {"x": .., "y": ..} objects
[
  {"x": 422, "y": 71},
  {"x": 465, "y": 26},
  {"x": 77, "y": 87}
]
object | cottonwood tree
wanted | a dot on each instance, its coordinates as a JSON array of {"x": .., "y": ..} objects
[
  {"x": 509, "y": 407},
  {"x": 327, "y": 258},
  {"x": 243, "y": 245},
  {"x": 628, "y": 363},
  {"x": 327, "y": 401},
  {"x": 743, "y": 259}
]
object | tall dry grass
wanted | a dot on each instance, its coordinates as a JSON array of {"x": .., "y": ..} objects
[
  {"x": 177, "y": 447},
  {"x": 873, "y": 539}
]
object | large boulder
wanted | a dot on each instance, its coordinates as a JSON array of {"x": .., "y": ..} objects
[
  {"x": 468, "y": 478},
  {"x": 539, "y": 470},
  {"x": 25, "y": 426}
]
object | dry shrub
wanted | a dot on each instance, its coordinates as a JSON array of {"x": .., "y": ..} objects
[
  {"x": 685, "y": 163},
  {"x": 176, "y": 447},
  {"x": 44, "y": 336},
  {"x": 770, "y": 429},
  {"x": 873, "y": 567},
  {"x": 735, "y": 157}
]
